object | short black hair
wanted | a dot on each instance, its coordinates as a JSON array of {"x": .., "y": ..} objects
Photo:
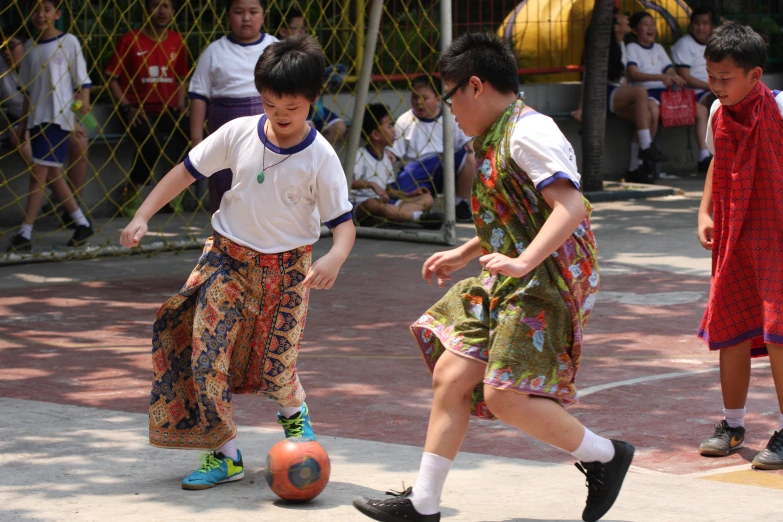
[
  {"x": 430, "y": 82},
  {"x": 637, "y": 17},
  {"x": 373, "y": 116},
  {"x": 292, "y": 67},
  {"x": 483, "y": 55},
  {"x": 291, "y": 13},
  {"x": 172, "y": 2},
  {"x": 702, "y": 11},
  {"x": 739, "y": 43},
  {"x": 230, "y": 4},
  {"x": 14, "y": 31}
]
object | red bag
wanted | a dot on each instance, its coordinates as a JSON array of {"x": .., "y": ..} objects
[{"x": 678, "y": 108}]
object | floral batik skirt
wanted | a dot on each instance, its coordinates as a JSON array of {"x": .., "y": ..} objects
[{"x": 233, "y": 328}]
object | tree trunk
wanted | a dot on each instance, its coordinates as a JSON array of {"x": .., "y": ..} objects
[{"x": 594, "y": 106}]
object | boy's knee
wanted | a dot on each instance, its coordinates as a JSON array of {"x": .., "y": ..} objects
[
  {"x": 448, "y": 379},
  {"x": 498, "y": 403}
]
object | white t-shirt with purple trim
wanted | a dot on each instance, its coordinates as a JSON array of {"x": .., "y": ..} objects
[
  {"x": 372, "y": 169},
  {"x": 226, "y": 69},
  {"x": 649, "y": 60},
  {"x": 687, "y": 52},
  {"x": 302, "y": 186},
  {"x": 542, "y": 151},
  {"x": 711, "y": 141},
  {"x": 419, "y": 138}
]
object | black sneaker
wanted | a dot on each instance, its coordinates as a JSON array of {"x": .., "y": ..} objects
[
  {"x": 432, "y": 220},
  {"x": 725, "y": 440},
  {"x": 772, "y": 456},
  {"x": 653, "y": 154},
  {"x": 19, "y": 243},
  {"x": 605, "y": 480},
  {"x": 67, "y": 221},
  {"x": 645, "y": 173},
  {"x": 704, "y": 165},
  {"x": 463, "y": 212},
  {"x": 398, "y": 509},
  {"x": 80, "y": 235}
]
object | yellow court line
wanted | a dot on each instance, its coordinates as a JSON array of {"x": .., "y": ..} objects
[{"x": 750, "y": 477}]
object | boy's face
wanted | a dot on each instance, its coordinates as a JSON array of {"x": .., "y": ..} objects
[
  {"x": 729, "y": 82},
  {"x": 44, "y": 14},
  {"x": 245, "y": 19},
  {"x": 645, "y": 31},
  {"x": 384, "y": 135},
  {"x": 701, "y": 27},
  {"x": 160, "y": 12},
  {"x": 295, "y": 27},
  {"x": 13, "y": 51},
  {"x": 425, "y": 102},
  {"x": 286, "y": 114},
  {"x": 465, "y": 109}
]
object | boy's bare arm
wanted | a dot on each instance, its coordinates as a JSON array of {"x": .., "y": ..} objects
[{"x": 706, "y": 225}]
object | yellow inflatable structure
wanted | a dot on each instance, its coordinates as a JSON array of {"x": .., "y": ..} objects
[{"x": 548, "y": 35}]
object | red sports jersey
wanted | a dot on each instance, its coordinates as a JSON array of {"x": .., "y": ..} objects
[{"x": 150, "y": 72}]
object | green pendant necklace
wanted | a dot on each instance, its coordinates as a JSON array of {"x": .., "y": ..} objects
[{"x": 260, "y": 178}]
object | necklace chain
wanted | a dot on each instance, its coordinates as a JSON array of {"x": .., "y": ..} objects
[{"x": 260, "y": 177}]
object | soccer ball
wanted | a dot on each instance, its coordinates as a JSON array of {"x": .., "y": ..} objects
[{"x": 297, "y": 469}]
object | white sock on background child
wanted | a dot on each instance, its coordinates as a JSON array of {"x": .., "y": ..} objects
[
  {"x": 78, "y": 218},
  {"x": 704, "y": 154},
  {"x": 645, "y": 140},
  {"x": 734, "y": 418},
  {"x": 594, "y": 449},
  {"x": 429, "y": 484},
  {"x": 417, "y": 215},
  {"x": 780, "y": 425},
  {"x": 229, "y": 449},
  {"x": 634, "y": 157},
  {"x": 26, "y": 230},
  {"x": 289, "y": 412}
]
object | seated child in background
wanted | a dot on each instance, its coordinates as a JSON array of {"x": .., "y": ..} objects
[
  {"x": 374, "y": 173},
  {"x": 419, "y": 145}
]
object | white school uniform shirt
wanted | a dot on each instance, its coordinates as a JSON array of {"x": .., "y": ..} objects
[
  {"x": 225, "y": 69},
  {"x": 418, "y": 138},
  {"x": 371, "y": 169},
  {"x": 10, "y": 95},
  {"x": 540, "y": 149},
  {"x": 687, "y": 52},
  {"x": 285, "y": 211},
  {"x": 51, "y": 71},
  {"x": 649, "y": 60},
  {"x": 710, "y": 138}
]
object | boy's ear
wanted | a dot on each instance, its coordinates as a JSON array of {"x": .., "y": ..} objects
[
  {"x": 755, "y": 74},
  {"x": 375, "y": 134}
]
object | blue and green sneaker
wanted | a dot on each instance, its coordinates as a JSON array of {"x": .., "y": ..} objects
[
  {"x": 298, "y": 425},
  {"x": 214, "y": 468}
]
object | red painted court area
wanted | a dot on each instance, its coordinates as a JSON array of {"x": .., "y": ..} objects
[{"x": 88, "y": 344}]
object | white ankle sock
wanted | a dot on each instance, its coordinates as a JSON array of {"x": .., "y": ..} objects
[
  {"x": 703, "y": 154},
  {"x": 645, "y": 140},
  {"x": 78, "y": 217},
  {"x": 459, "y": 200},
  {"x": 429, "y": 484},
  {"x": 594, "y": 449},
  {"x": 229, "y": 449},
  {"x": 780, "y": 426},
  {"x": 634, "y": 164},
  {"x": 734, "y": 418},
  {"x": 289, "y": 412},
  {"x": 26, "y": 230},
  {"x": 417, "y": 215}
]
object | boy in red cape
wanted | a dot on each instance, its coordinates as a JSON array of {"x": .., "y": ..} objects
[{"x": 741, "y": 221}]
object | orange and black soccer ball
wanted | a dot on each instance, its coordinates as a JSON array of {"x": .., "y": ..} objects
[{"x": 297, "y": 469}]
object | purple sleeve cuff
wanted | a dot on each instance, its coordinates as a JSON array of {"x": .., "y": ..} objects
[
  {"x": 338, "y": 220},
  {"x": 192, "y": 170},
  {"x": 667, "y": 67},
  {"x": 196, "y": 96},
  {"x": 556, "y": 176},
  {"x": 630, "y": 64}
]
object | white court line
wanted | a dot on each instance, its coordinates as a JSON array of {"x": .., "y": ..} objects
[{"x": 658, "y": 377}]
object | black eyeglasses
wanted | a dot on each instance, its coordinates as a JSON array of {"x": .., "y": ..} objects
[{"x": 447, "y": 97}]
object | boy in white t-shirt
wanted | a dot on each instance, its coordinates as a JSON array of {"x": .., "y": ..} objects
[
  {"x": 53, "y": 74},
  {"x": 419, "y": 145},
  {"x": 373, "y": 194},
  {"x": 688, "y": 57},
  {"x": 11, "y": 97},
  {"x": 235, "y": 327}
]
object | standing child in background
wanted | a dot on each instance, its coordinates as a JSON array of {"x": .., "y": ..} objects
[
  {"x": 741, "y": 222},
  {"x": 235, "y": 326},
  {"x": 374, "y": 174},
  {"x": 688, "y": 57},
  {"x": 508, "y": 344},
  {"x": 11, "y": 97},
  {"x": 53, "y": 74},
  {"x": 221, "y": 87},
  {"x": 419, "y": 145}
]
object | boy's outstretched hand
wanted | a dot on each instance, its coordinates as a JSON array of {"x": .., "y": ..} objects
[
  {"x": 442, "y": 264},
  {"x": 133, "y": 233},
  {"x": 499, "y": 264},
  {"x": 323, "y": 273}
]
